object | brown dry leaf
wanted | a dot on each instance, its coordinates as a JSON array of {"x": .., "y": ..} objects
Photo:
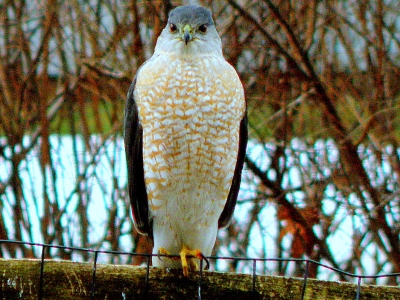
[
  {"x": 302, "y": 242},
  {"x": 144, "y": 245},
  {"x": 342, "y": 182}
]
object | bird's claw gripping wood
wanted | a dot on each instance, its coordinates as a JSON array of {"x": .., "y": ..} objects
[
  {"x": 187, "y": 255},
  {"x": 186, "y": 264},
  {"x": 164, "y": 252}
]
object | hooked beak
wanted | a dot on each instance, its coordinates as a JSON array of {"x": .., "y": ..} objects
[{"x": 187, "y": 34}]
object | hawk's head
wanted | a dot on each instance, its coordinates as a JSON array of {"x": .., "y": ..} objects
[{"x": 190, "y": 30}]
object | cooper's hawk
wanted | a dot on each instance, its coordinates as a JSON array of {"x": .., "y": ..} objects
[{"x": 185, "y": 139}]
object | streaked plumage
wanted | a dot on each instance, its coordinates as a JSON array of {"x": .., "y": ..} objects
[{"x": 185, "y": 137}]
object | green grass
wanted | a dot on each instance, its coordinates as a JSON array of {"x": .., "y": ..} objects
[{"x": 72, "y": 119}]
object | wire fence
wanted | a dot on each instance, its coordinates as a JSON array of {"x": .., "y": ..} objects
[{"x": 254, "y": 261}]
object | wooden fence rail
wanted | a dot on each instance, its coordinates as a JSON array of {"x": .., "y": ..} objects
[{"x": 32, "y": 279}]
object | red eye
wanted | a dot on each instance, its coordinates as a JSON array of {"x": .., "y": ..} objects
[
  {"x": 172, "y": 27},
  {"x": 203, "y": 28}
]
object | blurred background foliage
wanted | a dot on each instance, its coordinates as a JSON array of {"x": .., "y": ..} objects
[{"x": 322, "y": 171}]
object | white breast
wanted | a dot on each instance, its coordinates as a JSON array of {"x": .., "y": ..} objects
[{"x": 190, "y": 112}]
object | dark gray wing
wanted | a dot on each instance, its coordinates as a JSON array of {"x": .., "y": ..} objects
[
  {"x": 230, "y": 204},
  {"x": 133, "y": 135}
]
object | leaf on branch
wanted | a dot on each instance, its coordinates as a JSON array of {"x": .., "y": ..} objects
[{"x": 302, "y": 243}]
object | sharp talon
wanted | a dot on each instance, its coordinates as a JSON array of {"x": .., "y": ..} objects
[
  {"x": 207, "y": 267},
  {"x": 185, "y": 272},
  {"x": 200, "y": 255},
  {"x": 162, "y": 251}
]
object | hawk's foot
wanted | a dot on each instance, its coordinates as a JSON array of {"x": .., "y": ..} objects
[
  {"x": 187, "y": 258},
  {"x": 163, "y": 251}
]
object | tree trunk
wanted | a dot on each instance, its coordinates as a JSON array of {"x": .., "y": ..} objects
[{"x": 71, "y": 280}]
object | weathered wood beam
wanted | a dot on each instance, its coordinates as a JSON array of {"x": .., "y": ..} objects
[{"x": 21, "y": 279}]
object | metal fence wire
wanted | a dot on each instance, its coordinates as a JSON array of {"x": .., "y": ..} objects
[{"x": 254, "y": 261}]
